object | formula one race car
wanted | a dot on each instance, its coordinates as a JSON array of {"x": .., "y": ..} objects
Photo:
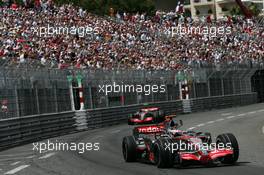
[
  {"x": 146, "y": 116},
  {"x": 168, "y": 147}
]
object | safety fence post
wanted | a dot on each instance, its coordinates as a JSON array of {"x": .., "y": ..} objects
[
  {"x": 70, "y": 78},
  {"x": 80, "y": 86}
]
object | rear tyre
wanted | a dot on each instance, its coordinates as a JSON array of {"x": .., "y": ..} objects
[
  {"x": 230, "y": 140},
  {"x": 162, "y": 155},
  {"x": 129, "y": 149}
]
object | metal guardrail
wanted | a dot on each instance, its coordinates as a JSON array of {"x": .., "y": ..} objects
[
  {"x": 17, "y": 131},
  {"x": 218, "y": 102},
  {"x": 109, "y": 116}
]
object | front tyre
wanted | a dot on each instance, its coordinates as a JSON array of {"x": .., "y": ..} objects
[
  {"x": 162, "y": 155},
  {"x": 129, "y": 149},
  {"x": 229, "y": 139}
]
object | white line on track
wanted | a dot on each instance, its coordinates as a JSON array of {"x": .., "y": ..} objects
[
  {"x": 47, "y": 156},
  {"x": 202, "y": 124},
  {"x": 241, "y": 115},
  {"x": 30, "y": 157},
  {"x": 15, "y": 163},
  {"x": 115, "y": 131},
  {"x": 13, "y": 171},
  {"x": 97, "y": 137},
  {"x": 252, "y": 112},
  {"x": 14, "y": 155},
  {"x": 45, "y": 151},
  {"x": 191, "y": 128},
  {"x": 229, "y": 117}
]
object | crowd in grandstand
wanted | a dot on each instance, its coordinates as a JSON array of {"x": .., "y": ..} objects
[{"x": 125, "y": 41}]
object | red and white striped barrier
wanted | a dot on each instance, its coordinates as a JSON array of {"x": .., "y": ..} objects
[
  {"x": 184, "y": 90},
  {"x": 81, "y": 95}
]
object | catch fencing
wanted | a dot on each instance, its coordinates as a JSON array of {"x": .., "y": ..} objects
[
  {"x": 43, "y": 103},
  {"x": 26, "y": 91}
]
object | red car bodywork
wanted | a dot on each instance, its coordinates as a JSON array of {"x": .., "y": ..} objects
[
  {"x": 198, "y": 156},
  {"x": 141, "y": 118},
  {"x": 141, "y": 121}
]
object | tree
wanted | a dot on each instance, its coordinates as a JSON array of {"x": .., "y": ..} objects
[
  {"x": 197, "y": 12},
  {"x": 188, "y": 13},
  {"x": 236, "y": 11},
  {"x": 254, "y": 9},
  {"x": 244, "y": 9},
  {"x": 251, "y": 9}
]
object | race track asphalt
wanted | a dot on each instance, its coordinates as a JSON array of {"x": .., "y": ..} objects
[{"x": 246, "y": 123}]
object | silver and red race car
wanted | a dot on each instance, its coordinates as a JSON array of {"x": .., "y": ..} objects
[
  {"x": 146, "y": 116},
  {"x": 168, "y": 147}
]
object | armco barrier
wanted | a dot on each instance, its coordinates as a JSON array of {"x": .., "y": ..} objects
[
  {"x": 218, "y": 102},
  {"x": 21, "y": 130},
  {"x": 186, "y": 105},
  {"x": 109, "y": 116},
  {"x": 17, "y": 131}
]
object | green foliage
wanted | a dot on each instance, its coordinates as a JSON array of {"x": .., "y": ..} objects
[
  {"x": 224, "y": 9},
  {"x": 254, "y": 9},
  {"x": 102, "y": 7},
  {"x": 236, "y": 11},
  {"x": 188, "y": 13},
  {"x": 19, "y": 2},
  {"x": 210, "y": 11}
]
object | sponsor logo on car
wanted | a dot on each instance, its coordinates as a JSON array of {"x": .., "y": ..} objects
[{"x": 150, "y": 129}]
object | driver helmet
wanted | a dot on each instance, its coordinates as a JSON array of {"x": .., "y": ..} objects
[{"x": 169, "y": 117}]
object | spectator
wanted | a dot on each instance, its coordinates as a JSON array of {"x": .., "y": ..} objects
[{"x": 130, "y": 42}]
